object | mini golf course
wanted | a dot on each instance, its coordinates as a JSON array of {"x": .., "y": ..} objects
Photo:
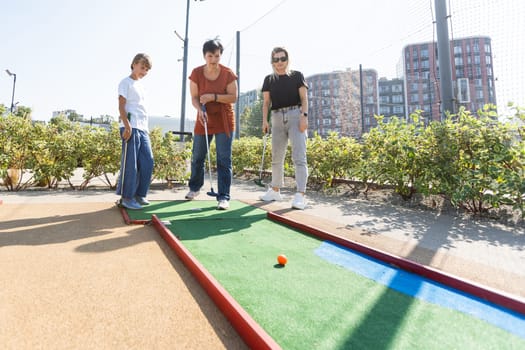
[{"x": 328, "y": 296}]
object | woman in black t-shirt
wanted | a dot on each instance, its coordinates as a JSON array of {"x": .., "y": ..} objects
[{"x": 285, "y": 94}]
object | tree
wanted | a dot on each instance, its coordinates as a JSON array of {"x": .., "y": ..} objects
[
  {"x": 23, "y": 112},
  {"x": 74, "y": 116},
  {"x": 251, "y": 120}
]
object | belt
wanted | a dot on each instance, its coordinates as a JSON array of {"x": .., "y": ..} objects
[{"x": 285, "y": 109}]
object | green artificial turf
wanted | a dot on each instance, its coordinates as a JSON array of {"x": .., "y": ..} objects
[{"x": 311, "y": 303}]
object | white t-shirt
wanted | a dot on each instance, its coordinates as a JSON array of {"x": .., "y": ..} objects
[{"x": 133, "y": 92}]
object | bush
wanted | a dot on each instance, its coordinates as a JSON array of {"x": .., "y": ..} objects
[{"x": 476, "y": 162}]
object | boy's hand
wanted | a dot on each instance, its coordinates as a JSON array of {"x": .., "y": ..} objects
[{"x": 126, "y": 134}]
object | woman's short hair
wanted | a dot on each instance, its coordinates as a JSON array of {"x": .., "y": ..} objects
[{"x": 212, "y": 46}]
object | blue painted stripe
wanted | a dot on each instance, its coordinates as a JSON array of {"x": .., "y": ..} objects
[{"x": 422, "y": 288}]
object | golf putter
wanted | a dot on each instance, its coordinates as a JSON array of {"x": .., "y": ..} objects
[
  {"x": 124, "y": 161},
  {"x": 211, "y": 193},
  {"x": 259, "y": 180}
]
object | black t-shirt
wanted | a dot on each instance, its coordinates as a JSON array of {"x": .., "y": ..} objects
[{"x": 284, "y": 90}]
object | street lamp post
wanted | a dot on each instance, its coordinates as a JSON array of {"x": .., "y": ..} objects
[
  {"x": 185, "y": 69},
  {"x": 14, "y": 84}
]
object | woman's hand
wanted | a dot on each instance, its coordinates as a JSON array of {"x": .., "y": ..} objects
[
  {"x": 303, "y": 124},
  {"x": 207, "y": 98},
  {"x": 265, "y": 126},
  {"x": 202, "y": 116}
]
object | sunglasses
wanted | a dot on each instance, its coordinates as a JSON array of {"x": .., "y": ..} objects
[{"x": 277, "y": 59}]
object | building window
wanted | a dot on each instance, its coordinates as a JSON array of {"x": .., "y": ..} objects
[
  {"x": 487, "y": 48},
  {"x": 457, "y": 50},
  {"x": 397, "y": 98},
  {"x": 478, "y": 71},
  {"x": 414, "y": 98},
  {"x": 397, "y": 88},
  {"x": 476, "y": 47},
  {"x": 458, "y": 61},
  {"x": 463, "y": 90},
  {"x": 398, "y": 109},
  {"x": 384, "y": 110},
  {"x": 487, "y": 59},
  {"x": 479, "y": 94},
  {"x": 384, "y": 99}
]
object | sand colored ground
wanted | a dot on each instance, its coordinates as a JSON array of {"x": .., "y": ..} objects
[{"x": 75, "y": 277}]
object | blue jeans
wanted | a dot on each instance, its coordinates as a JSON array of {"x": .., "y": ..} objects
[
  {"x": 223, "y": 145},
  {"x": 138, "y": 168}
]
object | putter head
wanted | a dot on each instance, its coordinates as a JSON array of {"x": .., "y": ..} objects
[
  {"x": 212, "y": 193},
  {"x": 259, "y": 183}
]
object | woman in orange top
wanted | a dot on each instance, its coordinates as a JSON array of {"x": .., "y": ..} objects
[{"x": 215, "y": 86}]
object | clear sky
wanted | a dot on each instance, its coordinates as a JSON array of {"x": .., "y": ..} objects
[{"x": 72, "y": 54}]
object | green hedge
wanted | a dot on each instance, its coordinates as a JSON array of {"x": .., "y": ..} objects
[{"x": 474, "y": 161}]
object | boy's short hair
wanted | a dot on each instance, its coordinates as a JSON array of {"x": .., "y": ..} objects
[{"x": 142, "y": 58}]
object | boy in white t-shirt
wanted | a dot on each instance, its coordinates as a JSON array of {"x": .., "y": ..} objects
[{"x": 137, "y": 157}]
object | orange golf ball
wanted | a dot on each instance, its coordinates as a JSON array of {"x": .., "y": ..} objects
[{"x": 282, "y": 259}]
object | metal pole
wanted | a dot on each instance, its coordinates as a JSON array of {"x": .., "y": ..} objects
[
  {"x": 13, "y": 95},
  {"x": 184, "y": 71},
  {"x": 14, "y": 84},
  {"x": 445, "y": 66},
  {"x": 237, "y": 106},
  {"x": 361, "y": 100}
]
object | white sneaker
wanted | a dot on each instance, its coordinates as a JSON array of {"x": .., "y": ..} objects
[
  {"x": 192, "y": 194},
  {"x": 223, "y": 204},
  {"x": 299, "y": 202},
  {"x": 271, "y": 195}
]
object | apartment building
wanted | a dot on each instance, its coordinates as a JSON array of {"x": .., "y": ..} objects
[
  {"x": 392, "y": 98},
  {"x": 472, "y": 75},
  {"x": 335, "y": 98},
  {"x": 335, "y": 101}
]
